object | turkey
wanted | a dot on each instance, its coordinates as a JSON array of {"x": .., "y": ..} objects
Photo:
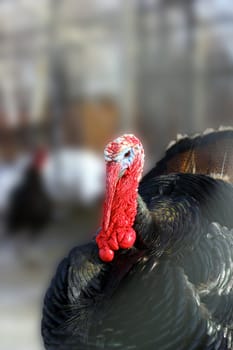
[
  {"x": 11, "y": 174},
  {"x": 32, "y": 189},
  {"x": 159, "y": 273},
  {"x": 29, "y": 207}
]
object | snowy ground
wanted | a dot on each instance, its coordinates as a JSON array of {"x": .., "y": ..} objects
[{"x": 25, "y": 270}]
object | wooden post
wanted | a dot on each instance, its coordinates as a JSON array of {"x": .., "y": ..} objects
[{"x": 128, "y": 78}]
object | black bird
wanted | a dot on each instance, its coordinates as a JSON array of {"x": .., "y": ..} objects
[
  {"x": 173, "y": 289},
  {"x": 29, "y": 205}
]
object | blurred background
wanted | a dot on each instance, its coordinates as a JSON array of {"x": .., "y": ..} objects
[{"x": 73, "y": 74}]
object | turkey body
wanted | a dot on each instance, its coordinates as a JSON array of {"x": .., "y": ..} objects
[
  {"x": 172, "y": 290},
  {"x": 178, "y": 296}
]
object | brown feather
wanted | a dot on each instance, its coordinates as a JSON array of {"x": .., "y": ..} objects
[{"x": 210, "y": 153}]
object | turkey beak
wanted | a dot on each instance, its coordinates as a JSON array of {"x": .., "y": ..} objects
[{"x": 113, "y": 170}]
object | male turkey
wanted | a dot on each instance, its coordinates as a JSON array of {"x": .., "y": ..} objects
[
  {"x": 160, "y": 276},
  {"x": 29, "y": 206},
  {"x": 30, "y": 194}
]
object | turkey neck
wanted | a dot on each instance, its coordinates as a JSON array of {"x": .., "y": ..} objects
[
  {"x": 121, "y": 196},
  {"x": 124, "y": 205},
  {"x": 120, "y": 209},
  {"x": 144, "y": 225},
  {"x": 167, "y": 225},
  {"x": 128, "y": 211}
]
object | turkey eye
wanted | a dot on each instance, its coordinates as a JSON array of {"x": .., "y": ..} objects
[{"x": 127, "y": 154}]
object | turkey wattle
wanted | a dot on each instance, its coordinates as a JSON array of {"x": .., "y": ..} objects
[
  {"x": 124, "y": 165},
  {"x": 170, "y": 286}
]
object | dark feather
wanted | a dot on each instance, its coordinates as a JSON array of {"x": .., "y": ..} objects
[
  {"x": 29, "y": 205},
  {"x": 174, "y": 289},
  {"x": 159, "y": 299},
  {"x": 209, "y": 154}
]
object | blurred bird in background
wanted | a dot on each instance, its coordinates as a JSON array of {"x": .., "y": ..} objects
[
  {"x": 29, "y": 207},
  {"x": 159, "y": 275},
  {"x": 34, "y": 187},
  {"x": 74, "y": 175},
  {"x": 29, "y": 187}
]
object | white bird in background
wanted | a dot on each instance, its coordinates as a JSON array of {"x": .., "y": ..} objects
[
  {"x": 69, "y": 175},
  {"x": 30, "y": 186},
  {"x": 72, "y": 175}
]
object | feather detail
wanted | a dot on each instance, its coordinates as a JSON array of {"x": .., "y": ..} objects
[{"x": 210, "y": 153}]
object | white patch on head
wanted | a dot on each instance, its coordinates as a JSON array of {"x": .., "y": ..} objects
[
  {"x": 107, "y": 156},
  {"x": 118, "y": 140},
  {"x": 123, "y": 139},
  {"x": 115, "y": 149}
]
